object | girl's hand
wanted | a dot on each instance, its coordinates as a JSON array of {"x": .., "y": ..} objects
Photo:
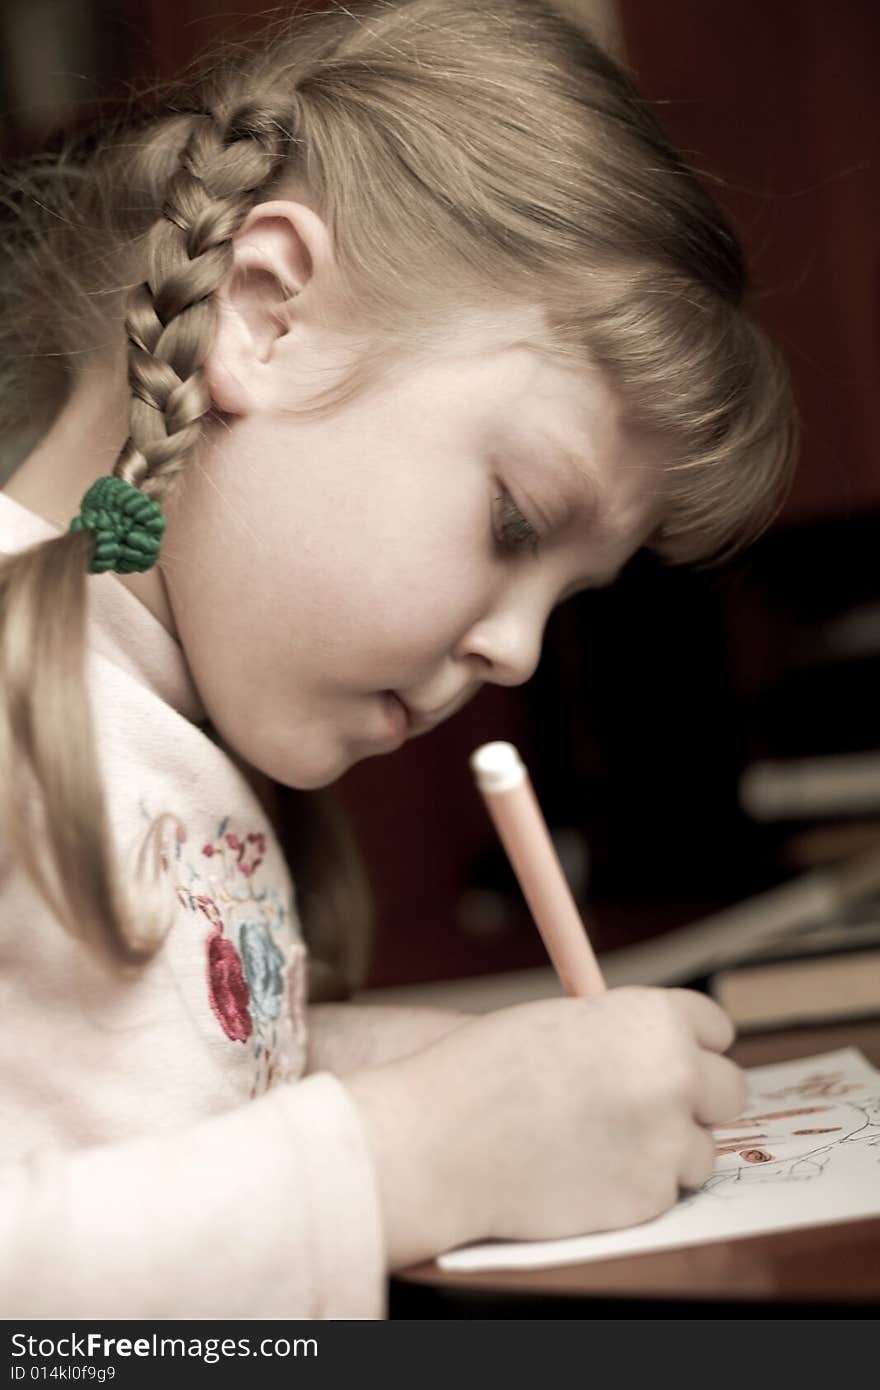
[{"x": 549, "y": 1119}]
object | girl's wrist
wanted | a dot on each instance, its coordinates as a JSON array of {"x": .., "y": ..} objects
[
  {"x": 344, "y": 1037},
  {"x": 412, "y": 1112}
]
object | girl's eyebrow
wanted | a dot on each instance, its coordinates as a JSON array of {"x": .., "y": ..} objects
[
  {"x": 585, "y": 490},
  {"x": 572, "y": 481}
]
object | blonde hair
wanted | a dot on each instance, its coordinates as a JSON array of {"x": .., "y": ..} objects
[{"x": 463, "y": 153}]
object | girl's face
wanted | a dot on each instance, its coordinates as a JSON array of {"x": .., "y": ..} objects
[{"x": 341, "y": 584}]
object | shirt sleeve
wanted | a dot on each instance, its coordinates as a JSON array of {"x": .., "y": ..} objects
[{"x": 270, "y": 1210}]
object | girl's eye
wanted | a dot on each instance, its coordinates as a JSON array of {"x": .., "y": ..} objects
[{"x": 514, "y": 532}]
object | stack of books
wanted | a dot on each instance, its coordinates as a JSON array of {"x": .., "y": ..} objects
[
  {"x": 807, "y": 951},
  {"x": 821, "y": 974},
  {"x": 825, "y": 967}
]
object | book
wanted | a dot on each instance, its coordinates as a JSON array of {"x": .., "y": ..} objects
[
  {"x": 845, "y": 784},
  {"x": 819, "y": 988}
]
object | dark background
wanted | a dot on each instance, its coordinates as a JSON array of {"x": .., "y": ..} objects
[{"x": 654, "y": 695}]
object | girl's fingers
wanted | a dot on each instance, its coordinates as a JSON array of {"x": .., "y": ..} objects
[
  {"x": 722, "y": 1091},
  {"x": 723, "y": 1096},
  {"x": 699, "y": 1159},
  {"x": 711, "y": 1025}
]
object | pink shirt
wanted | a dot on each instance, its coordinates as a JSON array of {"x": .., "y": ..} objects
[{"x": 160, "y": 1154}]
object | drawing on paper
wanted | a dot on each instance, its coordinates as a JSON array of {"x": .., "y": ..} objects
[{"x": 792, "y": 1141}]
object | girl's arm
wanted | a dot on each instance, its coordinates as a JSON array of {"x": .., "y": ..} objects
[
  {"x": 345, "y": 1038},
  {"x": 268, "y": 1210}
]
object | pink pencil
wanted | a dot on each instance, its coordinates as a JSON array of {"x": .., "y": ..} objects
[{"x": 511, "y": 802}]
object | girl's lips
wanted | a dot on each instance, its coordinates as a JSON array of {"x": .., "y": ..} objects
[
  {"x": 397, "y": 717},
  {"x": 420, "y": 721}
]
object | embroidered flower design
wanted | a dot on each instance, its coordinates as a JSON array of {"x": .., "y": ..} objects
[
  {"x": 210, "y": 909},
  {"x": 227, "y": 990},
  {"x": 247, "y": 851},
  {"x": 255, "y": 976},
  {"x": 263, "y": 969}
]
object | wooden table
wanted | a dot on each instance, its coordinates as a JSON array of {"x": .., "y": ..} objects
[{"x": 828, "y": 1270}]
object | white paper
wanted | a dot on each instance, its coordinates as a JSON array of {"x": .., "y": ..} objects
[{"x": 804, "y": 1152}]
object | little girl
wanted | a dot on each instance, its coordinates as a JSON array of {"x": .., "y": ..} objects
[{"x": 347, "y": 363}]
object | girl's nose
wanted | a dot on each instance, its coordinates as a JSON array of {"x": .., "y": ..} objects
[{"x": 504, "y": 645}]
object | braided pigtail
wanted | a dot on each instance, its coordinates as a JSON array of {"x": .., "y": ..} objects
[
  {"x": 53, "y": 791},
  {"x": 171, "y": 316}
]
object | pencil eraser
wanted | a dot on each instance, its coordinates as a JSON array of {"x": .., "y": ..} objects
[{"x": 497, "y": 766}]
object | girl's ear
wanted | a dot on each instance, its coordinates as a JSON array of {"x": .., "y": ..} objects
[{"x": 280, "y": 250}]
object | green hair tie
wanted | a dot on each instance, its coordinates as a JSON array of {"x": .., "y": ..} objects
[{"x": 127, "y": 526}]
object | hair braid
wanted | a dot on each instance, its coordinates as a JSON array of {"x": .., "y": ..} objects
[
  {"x": 170, "y": 326},
  {"x": 171, "y": 316}
]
